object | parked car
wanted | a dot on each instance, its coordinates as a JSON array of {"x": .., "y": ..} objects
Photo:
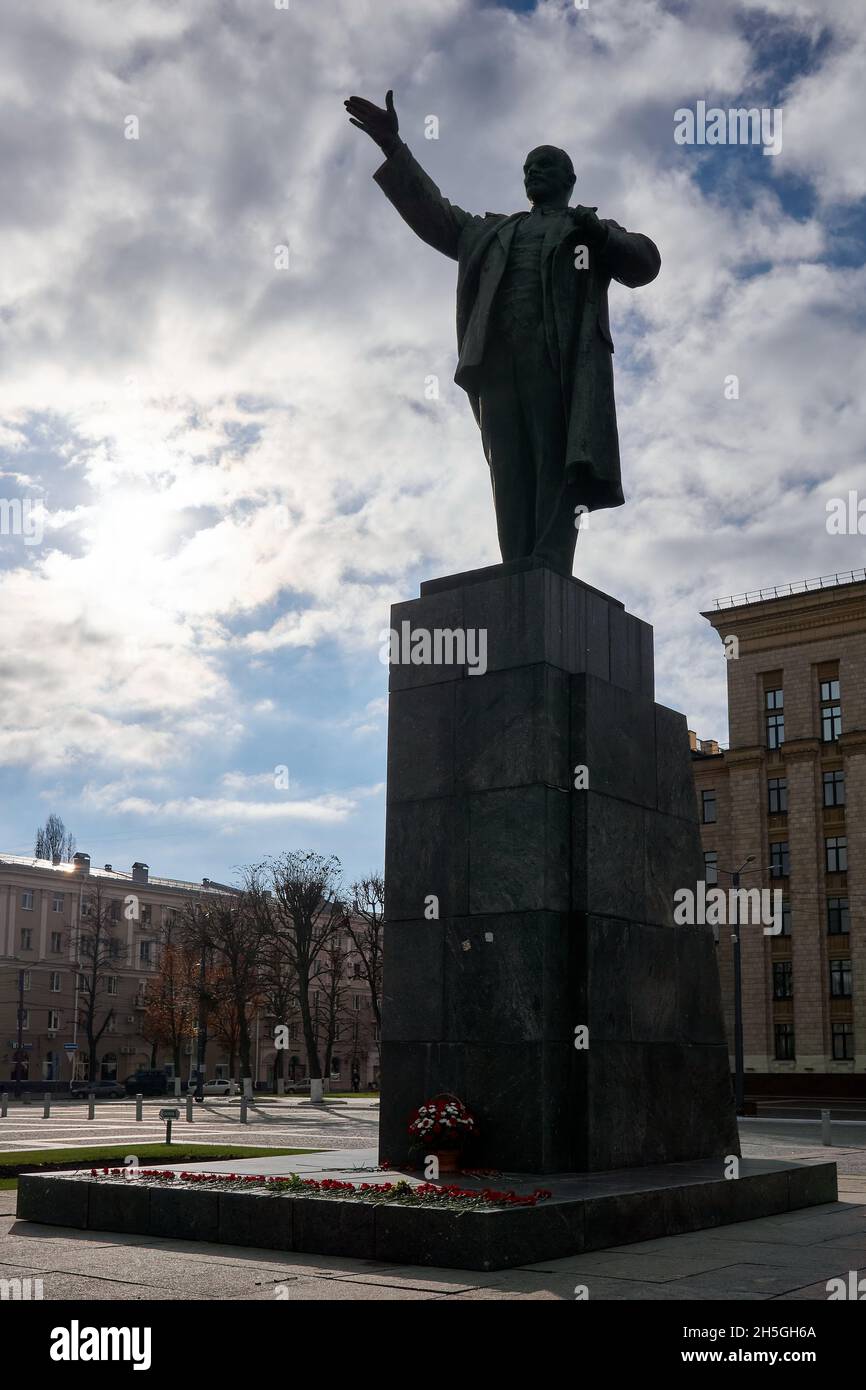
[
  {"x": 214, "y": 1088},
  {"x": 103, "y": 1090},
  {"x": 295, "y": 1088},
  {"x": 147, "y": 1083}
]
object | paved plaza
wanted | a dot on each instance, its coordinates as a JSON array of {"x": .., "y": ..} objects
[{"x": 788, "y": 1257}]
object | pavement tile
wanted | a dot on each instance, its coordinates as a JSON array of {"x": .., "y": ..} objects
[
  {"x": 434, "y": 1280},
  {"x": 334, "y": 1291},
  {"x": 59, "y": 1285},
  {"x": 519, "y": 1285},
  {"x": 657, "y": 1267}
]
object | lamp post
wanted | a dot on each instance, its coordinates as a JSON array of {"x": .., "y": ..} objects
[{"x": 738, "y": 988}]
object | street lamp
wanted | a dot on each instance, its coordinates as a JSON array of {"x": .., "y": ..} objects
[{"x": 738, "y": 989}]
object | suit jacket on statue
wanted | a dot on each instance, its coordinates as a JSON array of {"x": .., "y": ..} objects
[{"x": 575, "y": 312}]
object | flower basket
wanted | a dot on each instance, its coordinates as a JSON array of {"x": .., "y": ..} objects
[{"x": 443, "y": 1126}]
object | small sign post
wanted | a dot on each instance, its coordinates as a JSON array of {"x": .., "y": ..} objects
[{"x": 169, "y": 1113}]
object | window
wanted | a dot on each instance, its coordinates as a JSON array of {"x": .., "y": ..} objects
[
  {"x": 87, "y": 907},
  {"x": 335, "y": 1066},
  {"x": 25, "y": 980},
  {"x": 57, "y": 903},
  {"x": 834, "y": 788},
  {"x": 56, "y": 942},
  {"x": 708, "y": 808},
  {"x": 837, "y": 854},
  {"x": 145, "y": 952},
  {"x": 711, "y": 866},
  {"x": 27, "y": 900},
  {"x": 784, "y": 1042},
  {"x": 25, "y": 1020},
  {"x": 82, "y": 982},
  {"x": 108, "y": 1069},
  {"x": 357, "y": 970},
  {"x": 775, "y": 719},
  {"x": 777, "y": 795},
  {"x": 111, "y": 984},
  {"x": 783, "y": 979},
  {"x": 356, "y": 1002},
  {"x": 843, "y": 1042},
  {"x": 293, "y": 1032},
  {"x": 786, "y": 918},
  {"x": 53, "y": 1020},
  {"x": 85, "y": 946},
  {"x": 26, "y": 939},
  {"x": 146, "y": 914},
  {"x": 780, "y": 859},
  {"x": 116, "y": 949},
  {"x": 55, "y": 978},
  {"x": 838, "y": 916},
  {"x": 840, "y": 979},
  {"x": 115, "y": 910},
  {"x": 831, "y": 711}
]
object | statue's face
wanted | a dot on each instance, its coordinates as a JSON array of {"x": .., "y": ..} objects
[{"x": 547, "y": 174}]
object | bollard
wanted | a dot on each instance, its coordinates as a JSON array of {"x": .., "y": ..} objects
[
  {"x": 825, "y": 1127},
  {"x": 46, "y": 1105},
  {"x": 281, "y": 1086},
  {"x": 177, "y": 1086},
  {"x": 316, "y": 1091},
  {"x": 4, "y": 1105},
  {"x": 91, "y": 1106},
  {"x": 189, "y": 1107},
  {"x": 243, "y": 1110},
  {"x": 25, "y": 1097},
  {"x": 139, "y": 1101}
]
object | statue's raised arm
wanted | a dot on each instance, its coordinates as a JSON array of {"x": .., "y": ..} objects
[{"x": 414, "y": 194}]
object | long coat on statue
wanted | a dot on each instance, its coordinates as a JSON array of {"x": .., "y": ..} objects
[{"x": 577, "y": 327}]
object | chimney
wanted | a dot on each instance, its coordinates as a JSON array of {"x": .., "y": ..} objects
[
  {"x": 107, "y": 868},
  {"x": 81, "y": 863},
  {"x": 709, "y": 745},
  {"x": 139, "y": 872},
  {"x": 693, "y": 741}
]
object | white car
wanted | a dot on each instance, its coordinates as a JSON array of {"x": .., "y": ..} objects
[{"x": 217, "y": 1088}]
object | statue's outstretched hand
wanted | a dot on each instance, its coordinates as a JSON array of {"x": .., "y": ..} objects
[{"x": 381, "y": 126}]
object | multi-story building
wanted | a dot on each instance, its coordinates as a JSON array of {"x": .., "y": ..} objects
[
  {"x": 76, "y": 939},
  {"x": 785, "y": 807}
]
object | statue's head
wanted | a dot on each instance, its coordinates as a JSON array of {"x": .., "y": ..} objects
[{"x": 548, "y": 175}]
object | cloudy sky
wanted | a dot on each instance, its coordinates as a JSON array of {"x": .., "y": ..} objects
[{"x": 238, "y": 468}]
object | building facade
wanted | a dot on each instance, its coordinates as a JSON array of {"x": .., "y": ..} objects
[
  {"x": 785, "y": 807},
  {"x": 50, "y": 967}
]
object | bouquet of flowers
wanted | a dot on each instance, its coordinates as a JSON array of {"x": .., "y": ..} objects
[{"x": 443, "y": 1123}]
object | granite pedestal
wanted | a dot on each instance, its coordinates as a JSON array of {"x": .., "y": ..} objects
[{"x": 541, "y": 815}]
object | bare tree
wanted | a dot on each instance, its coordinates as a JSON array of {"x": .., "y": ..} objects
[
  {"x": 53, "y": 841},
  {"x": 99, "y": 953},
  {"x": 365, "y": 926},
  {"x": 172, "y": 998},
  {"x": 331, "y": 989},
  {"x": 305, "y": 912},
  {"x": 231, "y": 926}
]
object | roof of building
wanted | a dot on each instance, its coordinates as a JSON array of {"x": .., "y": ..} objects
[{"x": 29, "y": 861}]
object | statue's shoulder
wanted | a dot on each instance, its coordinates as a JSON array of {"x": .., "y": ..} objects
[{"x": 498, "y": 216}]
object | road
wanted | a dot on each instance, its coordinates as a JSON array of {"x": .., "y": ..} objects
[{"x": 288, "y": 1123}]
